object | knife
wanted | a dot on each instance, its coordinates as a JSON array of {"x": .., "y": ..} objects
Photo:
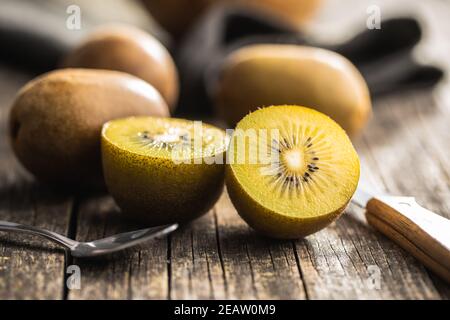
[{"x": 421, "y": 232}]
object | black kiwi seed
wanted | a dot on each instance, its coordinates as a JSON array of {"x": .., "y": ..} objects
[
  {"x": 292, "y": 180},
  {"x": 275, "y": 149},
  {"x": 287, "y": 144},
  {"x": 144, "y": 134}
]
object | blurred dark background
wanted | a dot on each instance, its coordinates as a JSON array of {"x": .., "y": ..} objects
[{"x": 405, "y": 54}]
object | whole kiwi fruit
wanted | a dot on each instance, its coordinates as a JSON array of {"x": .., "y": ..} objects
[
  {"x": 56, "y": 120},
  {"x": 263, "y": 75},
  {"x": 177, "y": 16},
  {"x": 131, "y": 50}
]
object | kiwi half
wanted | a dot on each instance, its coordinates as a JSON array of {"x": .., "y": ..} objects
[
  {"x": 311, "y": 176},
  {"x": 163, "y": 170}
]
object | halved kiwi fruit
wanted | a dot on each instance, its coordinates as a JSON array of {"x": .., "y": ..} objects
[
  {"x": 305, "y": 174},
  {"x": 163, "y": 170}
]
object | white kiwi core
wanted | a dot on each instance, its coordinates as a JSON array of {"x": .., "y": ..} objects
[{"x": 294, "y": 160}]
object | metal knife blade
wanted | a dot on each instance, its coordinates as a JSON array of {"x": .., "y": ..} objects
[{"x": 361, "y": 197}]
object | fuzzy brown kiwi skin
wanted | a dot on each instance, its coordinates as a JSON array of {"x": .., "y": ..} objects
[
  {"x": 56, "y": 120},
  {"x": 159, "y": 191},
  {"x": 323, "y": 80},
  {"x": 131, "y": 50},
  {"x": 270, "y": 223}
]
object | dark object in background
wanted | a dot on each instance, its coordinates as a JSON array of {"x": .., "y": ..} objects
[
  {"x": 223, "y": 30},
  {"x": 35, "y": 35},
  {"x": 29, "y": 49},
  {"x": 383, "y": 56}
]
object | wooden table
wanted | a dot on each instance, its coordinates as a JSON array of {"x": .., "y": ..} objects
[{"x": 405, "y": 150}]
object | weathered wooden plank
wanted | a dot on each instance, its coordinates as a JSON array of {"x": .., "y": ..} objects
[
  {"x": 350, "y": 261},
  {"x": 405, "y": 150},
  {"x": 197, "y": 262},
  {"x": 429, "y": 138},
  {"x": 196, "y": 266},
  {"x": 30, "y": 267},
  {"x": 136, "y": 273},
  {"x": 255, "y": 267},
  {"x": 406, "y": 167}
]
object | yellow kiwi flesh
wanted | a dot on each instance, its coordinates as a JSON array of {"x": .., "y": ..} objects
[
  {"x": 163, "y": 170},
  {"x": 306, "y": 187}
]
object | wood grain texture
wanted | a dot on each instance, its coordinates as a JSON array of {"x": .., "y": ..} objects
[
  {"x": 255, "y": 267},
  {"x": 196, "y": 267},
  {"x": 350, "y": 261},
  {"x": 137, "y": 273},
  {"x": 414, "y": 161}
]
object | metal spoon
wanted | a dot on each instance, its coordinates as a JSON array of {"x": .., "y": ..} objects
[{"x": 95, "y": 248}]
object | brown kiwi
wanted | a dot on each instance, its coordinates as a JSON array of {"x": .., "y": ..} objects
[
  {"x": 264, "y": 75},
  {"x": 131, "y": 50},
  {"x": 56, "y": 119}
]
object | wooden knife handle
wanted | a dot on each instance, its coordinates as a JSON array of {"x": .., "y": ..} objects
[{"x": 414, "y": 228}]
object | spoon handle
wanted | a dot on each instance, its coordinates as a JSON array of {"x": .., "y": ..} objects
[
  {"x": 122, "y": 241},
  {"x": 50, "y": 235}
]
